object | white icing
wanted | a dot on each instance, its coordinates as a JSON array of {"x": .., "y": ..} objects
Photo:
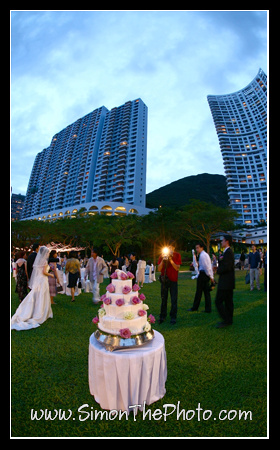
[
  {"x": 120, "y": 284},
  {"x": 114, "y": 320},
  {"x": 113, "y": 326}
]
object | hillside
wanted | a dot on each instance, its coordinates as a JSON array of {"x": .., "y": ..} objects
[{"x": 205, "y": 187}]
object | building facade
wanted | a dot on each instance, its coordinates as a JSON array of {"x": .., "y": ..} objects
[
  {"x": 17, "y": 202},
  {"x": 100, "y": 157},
  {"x": 240, "y": 119}
]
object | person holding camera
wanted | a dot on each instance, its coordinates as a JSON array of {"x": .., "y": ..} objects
[
  {"x": 203, "y": 279},
  {"x": 169, "y": 264}
]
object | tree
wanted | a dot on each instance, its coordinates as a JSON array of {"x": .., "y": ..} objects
[
  {"x": 115, "y": 231},
  {"x": 201, "y": 220}
]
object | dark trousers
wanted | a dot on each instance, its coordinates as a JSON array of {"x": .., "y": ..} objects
[
  {"x": 202, "y": 286},
  {"x": 171, "y": 286},
  {"x": 224, "y": 304}
]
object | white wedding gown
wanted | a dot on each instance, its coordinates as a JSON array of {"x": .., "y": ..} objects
[{"x": 36, "y": 306}]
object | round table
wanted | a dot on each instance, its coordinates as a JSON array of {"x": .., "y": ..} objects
[{"x": 127, "y": 377}]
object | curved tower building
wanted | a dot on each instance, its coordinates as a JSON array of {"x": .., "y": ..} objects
[{"x": 240, "y": 119}]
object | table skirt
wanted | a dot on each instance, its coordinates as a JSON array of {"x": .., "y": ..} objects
[{"x": 127, "y": 377}]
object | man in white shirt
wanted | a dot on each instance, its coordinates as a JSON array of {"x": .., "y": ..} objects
[
  {"x": 95, "y": 268},
  {"x": 205, "y": 275}
]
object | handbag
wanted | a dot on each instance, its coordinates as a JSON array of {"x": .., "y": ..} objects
[
  {"x": 247, "y": 277},
  {"x": 164, "y": 280},
  {"x": 79, "y": 284},
  {"x": 59, "y": 288}
]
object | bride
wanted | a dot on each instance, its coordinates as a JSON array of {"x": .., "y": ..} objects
[{"x": 36, "y": 306}]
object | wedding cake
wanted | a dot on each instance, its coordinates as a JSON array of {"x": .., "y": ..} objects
[{"x": 123, "y": 312}]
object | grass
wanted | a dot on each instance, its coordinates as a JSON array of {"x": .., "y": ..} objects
[{"x": 220, "y": 369}]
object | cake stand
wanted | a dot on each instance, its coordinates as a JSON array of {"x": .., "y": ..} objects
[{"x": 114, "y": 342}]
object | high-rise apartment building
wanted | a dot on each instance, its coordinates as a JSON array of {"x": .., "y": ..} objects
[
  {"x": 240, "y": 119},
  {"x": 99, "y": 158},
  {"x": 17, "y": 202}
]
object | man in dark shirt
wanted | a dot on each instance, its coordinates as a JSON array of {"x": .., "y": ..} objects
[
  {"x": 226, "y": 283},
  {"x": 133, "y": 266},
  {"x": 254, "y": 266},
  {"x": 31, "y": 258},
  {"x": 169, "y": 265}
]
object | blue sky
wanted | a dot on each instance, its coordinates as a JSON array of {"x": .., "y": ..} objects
[{"x": 65, "y": 64}]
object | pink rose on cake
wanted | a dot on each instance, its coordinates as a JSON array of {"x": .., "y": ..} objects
[
  {"x": 142, "y": 297},
  {"x": 123, "y": 276},
  {"x": 102, "y": 297},
  {"x": 126, "y": 289},
  {"x": 114, "y": 276},
  {"x": 119, "y": 302},
  {"x": 107, "y": 301},
  {"x": 130, "y": 275},
  {"x": 135, "y": 300},
  {"x": 95, "y": 320},
  {"x": 141, "y": 312},
  {"x": 151, "y": 318},
  {"x": 110, "y": 288},
  {"x": 135, "y": 288},
  {"x": 125, "y": 333}
]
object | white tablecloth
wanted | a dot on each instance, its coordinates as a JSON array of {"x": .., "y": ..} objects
[{"x": 127, "y": 377}]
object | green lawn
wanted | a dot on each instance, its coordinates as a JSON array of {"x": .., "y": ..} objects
[{"x": 214, "y": 369}]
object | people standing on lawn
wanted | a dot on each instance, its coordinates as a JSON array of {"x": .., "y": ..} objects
[
  {"x": 214, "y": 263},
  {"x": 226, "y": 283},
  {"x": 96, "y": 268},
  {"x": 140, "y": 272},
  {"x": 254, "y": 267},
  {"x": 169, "y": 265},
  {"x": 73, "y": 268},
  {"x": 113, "y": 265},
  {"x": 132, "y": 267},
  {"x": 203, "y": 279},
  {"x": 53, "y": 259},
  {"x": 242, "y": 260},
  {"x": 21, "y": 275},
  {"x": 31, "y": 258}
]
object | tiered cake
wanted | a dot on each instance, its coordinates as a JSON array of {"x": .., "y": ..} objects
[{"x": 123, "y": 313}]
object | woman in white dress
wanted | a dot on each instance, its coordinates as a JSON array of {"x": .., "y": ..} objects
[
  {"x": 36, "y": 307},
  {"x": 140, "y": 272}
]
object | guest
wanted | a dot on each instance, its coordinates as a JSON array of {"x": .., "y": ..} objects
[
  {"x": 214, "y": 263},
  {"x": 96, "y": 268},
  {"x": 265, "y": 269},
  {"x": 254, "y": 267},
  {"x": 153, "y": 272},
  {"x": 52, "y": 280},
  {"x": 73, "y": 268},
  {"x": 203, "y": 279},
  {"x": 133, "y": 266},
  {"x": 140, "y": 272},
  {"x": 148, "y": 272},
  {"x": 63, "y": 263},
  {"x": 242, "y": 260},
  {"x": 21, "y": 276},
  {"x": 226, "y": 284},
  {"x": 261, "y": 261},
  {"x": 121, "y": 261},
  {"x": 31, "y": 259},
  {"x": 125, "y": 263},
  {"x": 169, "y": 266},
  {"x": 113, "y": 265}
]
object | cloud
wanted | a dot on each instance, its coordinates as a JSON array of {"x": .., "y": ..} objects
[{"x": 67, "y": 63}]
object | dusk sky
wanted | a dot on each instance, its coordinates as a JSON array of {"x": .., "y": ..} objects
[{"x": 65, "y": 64}]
